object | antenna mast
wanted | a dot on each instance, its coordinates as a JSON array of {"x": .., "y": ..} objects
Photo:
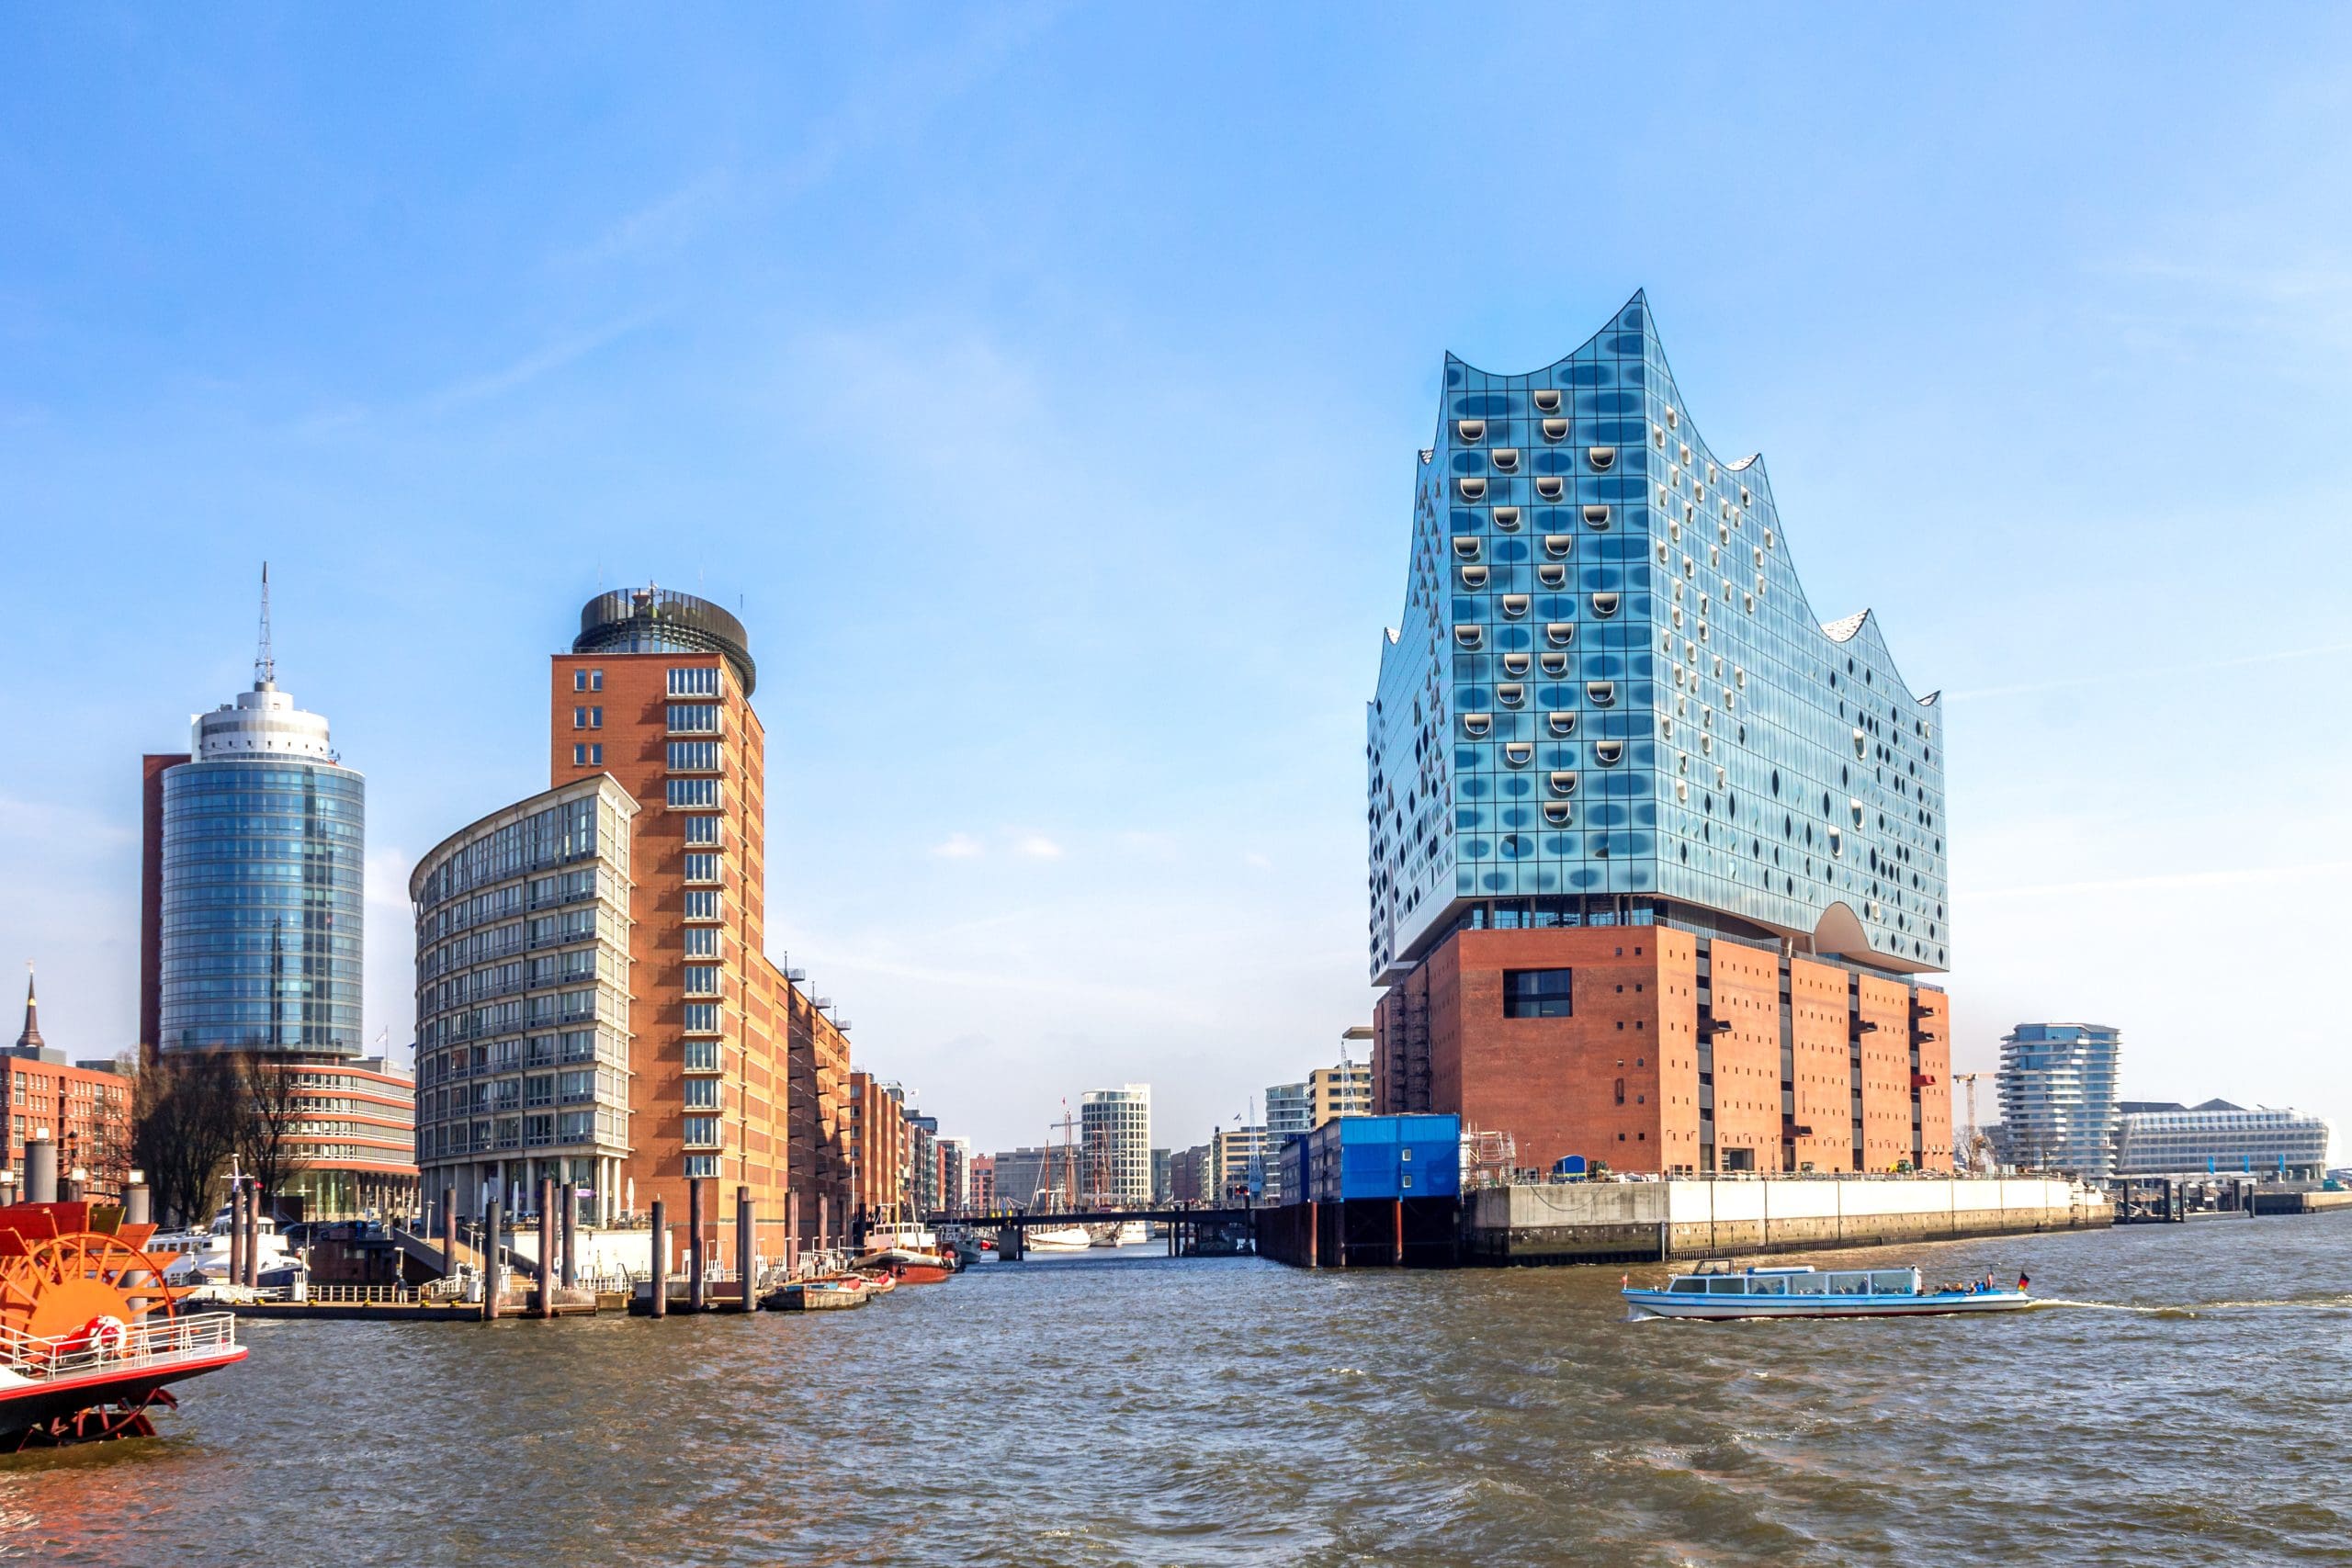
[{"x": 265, "y": 662}]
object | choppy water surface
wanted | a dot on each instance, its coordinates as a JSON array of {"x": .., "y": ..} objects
[{"x": 1132, "y": 1409}]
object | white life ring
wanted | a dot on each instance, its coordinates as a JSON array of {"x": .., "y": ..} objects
[{"x": 107, "y": 1335}]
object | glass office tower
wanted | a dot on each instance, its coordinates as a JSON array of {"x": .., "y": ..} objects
[{"x": 263, "y": 843}]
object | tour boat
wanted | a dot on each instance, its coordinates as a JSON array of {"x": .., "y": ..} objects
[
  {"x": 1057, "y": 1238},
  {"x": 1805, "y": 1291}
]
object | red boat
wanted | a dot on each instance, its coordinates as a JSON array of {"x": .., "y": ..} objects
[
  {"x": 89, "y": 1333},
  {"x": 910, "y": 1268}
]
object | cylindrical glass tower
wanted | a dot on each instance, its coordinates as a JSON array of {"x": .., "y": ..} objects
[{"x": 264, "y": 843}]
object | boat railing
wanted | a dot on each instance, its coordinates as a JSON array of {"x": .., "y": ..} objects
[{"x": 157, "y": 1341}]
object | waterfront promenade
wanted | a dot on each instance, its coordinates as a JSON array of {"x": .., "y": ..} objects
[{"x": 1129, "y": 1408}]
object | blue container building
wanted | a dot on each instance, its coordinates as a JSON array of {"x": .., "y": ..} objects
[{"x": 1353, "y": 1157}]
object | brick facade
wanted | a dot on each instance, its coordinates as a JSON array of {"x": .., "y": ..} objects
[{"x": 1680, "y": 1051}]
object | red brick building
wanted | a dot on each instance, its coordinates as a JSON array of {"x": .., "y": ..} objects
[
  {"x": 1656, "y": 1049},
  {"x": 87, "y": 1111}
]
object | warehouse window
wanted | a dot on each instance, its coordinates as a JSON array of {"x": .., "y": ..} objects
[{"x": 1538, "y": 993}]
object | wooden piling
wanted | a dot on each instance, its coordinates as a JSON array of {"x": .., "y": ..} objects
[
  {"x": 695, "y": 1285},
  {"x": 743, "y": 1250},
  {"x": 449, "y": 1233},
  {"x": 570, "y": 1231},
  {"x": 236, "y": 1232},
  {"x": 546, "y": 1246},
  {"x": 660, "y": 1269},
  {"x": 491, "y": 1275}
]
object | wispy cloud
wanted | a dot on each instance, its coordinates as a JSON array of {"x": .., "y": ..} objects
[
  {"x": 2143, "y": 672},
  {"x": 958, "y": 846},
  {"x": 550, "y": 357},
  {"x": 1039, "y": 847},
  {"x": 662, "y": 224}
]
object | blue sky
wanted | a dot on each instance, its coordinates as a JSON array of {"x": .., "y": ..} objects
[{"x": 1045, "y": 383}]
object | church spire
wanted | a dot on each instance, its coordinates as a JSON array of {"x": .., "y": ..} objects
[{"x": 30, "y": 1039}]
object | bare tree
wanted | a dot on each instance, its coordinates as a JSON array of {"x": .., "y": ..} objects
[
  {"x": 186, "y": 1112},
  {"x": 273, "y": 1108}
]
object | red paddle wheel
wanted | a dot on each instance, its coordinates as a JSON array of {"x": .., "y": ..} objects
[{"x": 89, "y": 1333}]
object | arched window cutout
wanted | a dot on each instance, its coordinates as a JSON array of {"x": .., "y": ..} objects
[
  {"x": 1556, "y": 430},
  {"x": 1559, "y": 812},
  {"x": 1560, "y": 634},
  {"x": 1518, "y": 753},
  {"x": 1473, "y": 487},
  {"x": 1474, "y": 576},
  {"x": 1506, "y": 459},
  {"x": 1552, "y": 575},
  {"x": 1507, "y": 518},
  {"x": 1559, "y": 545},
  {"x": 1606, "y": 752},
  {"x": 1478, "y": 723},
  {"x": 1551, "y": 487},
  {"x": 1466, "y": 545},
  {"x": 1514, "y": 664},
  {"x": 1563, "y": 723},
  {"x": 1602, "y": 459},
  {"x": 1596, "y": 516},
  {"x": 1563, "y": 782},
  {"x": 1547, "y": 400},
  {"x": 1470, "y": 430},
  {"x": 1512, "y": 694},
  {"x": 1600, "y": 693},
  {"x": 1470, "y": 637},
  {"x": 1605, "y": 605},
  {"x": 1514, "y": 605}
]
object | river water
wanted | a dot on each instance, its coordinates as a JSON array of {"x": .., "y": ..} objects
[{"x": 1114, "y": 1409}]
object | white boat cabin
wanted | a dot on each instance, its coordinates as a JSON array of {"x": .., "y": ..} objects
[{"x": 1799, "y": 1282}]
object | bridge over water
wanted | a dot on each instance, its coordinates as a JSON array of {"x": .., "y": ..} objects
[{"x": 1191, "y": 1232}]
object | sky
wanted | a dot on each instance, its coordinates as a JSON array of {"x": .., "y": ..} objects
[{"x": 1043, "y": 386}]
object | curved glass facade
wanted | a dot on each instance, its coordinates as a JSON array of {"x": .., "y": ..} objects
[
  {"x": 1608, "y": 700},
  {"x": 263, "y": 905}
]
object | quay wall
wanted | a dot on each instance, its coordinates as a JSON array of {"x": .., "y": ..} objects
[{"x": 1653, "y": 1221}]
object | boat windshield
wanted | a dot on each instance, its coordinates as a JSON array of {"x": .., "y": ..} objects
[{"x": 1732, "y": 1286}]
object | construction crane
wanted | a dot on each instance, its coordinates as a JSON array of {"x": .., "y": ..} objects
[{"x": 1973, "y": 1144}]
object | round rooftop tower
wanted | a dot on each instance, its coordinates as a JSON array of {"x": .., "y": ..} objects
[{"x": 662, "y": 620}]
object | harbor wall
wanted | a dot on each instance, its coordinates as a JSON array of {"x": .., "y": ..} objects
[{"x": 1651, "y": 1221}]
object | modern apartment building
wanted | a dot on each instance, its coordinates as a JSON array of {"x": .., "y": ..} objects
[
  {"x": 1189, "y": 1180},
  {"x": 1028, "y": 1179},
  {"x": 2165, "y": 1138},
  {"x": 980, "y": 1187},
  {"x": 1287, "y": 1115},
  {"x": 525, "y": 1042},
  {"x": 2057, "y": 1093},
  {"x": 731, "y": 1071},
  {"x": 1658, "y": 858},
  {"x": 954, "y": 1175},
  {"x": 881, "y": 1151},
  {"x": 1114, "y": 1131},
  {"x": 1342, "y": 1090},
  {"x": 1238, "y": 1159}
]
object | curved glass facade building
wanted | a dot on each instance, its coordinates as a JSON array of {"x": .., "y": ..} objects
[
  {"x": 1656, "y": 854},
  {"x": 263, "y": 844},
  {"x": 1608, "y": 699}
]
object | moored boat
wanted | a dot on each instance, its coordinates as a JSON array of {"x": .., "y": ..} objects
[
  {"x": 817, "y": 1295},
  {"x": 1805, "y": 1291},
  {"x": 1057, "y": 1238}
]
